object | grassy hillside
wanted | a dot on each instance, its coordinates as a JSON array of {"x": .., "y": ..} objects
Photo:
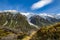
[
  {"x": 14, "y": 24},
  {"x": 48, "y": 33},
  {"x": 16, "y": 27},
  {"x": 17, "y": 22}
]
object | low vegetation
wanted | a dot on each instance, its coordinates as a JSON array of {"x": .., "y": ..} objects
[
  {"x": 48, "y": 33},
  {"x": 16, "y": 27}
]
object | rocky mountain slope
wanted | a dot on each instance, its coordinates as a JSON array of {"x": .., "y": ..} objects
[
  {"x": 18, "y": 26},
  {"x": 15, "y": 23},
  {"x": 40, "y": 21}
]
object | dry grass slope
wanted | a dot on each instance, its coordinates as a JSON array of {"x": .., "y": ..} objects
[{"x": 48, "y": 33}]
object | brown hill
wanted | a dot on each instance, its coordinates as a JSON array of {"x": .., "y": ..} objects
[{"x": 48, "y": 33}]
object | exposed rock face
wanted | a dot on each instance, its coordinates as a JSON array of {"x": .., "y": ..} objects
[{"x": 40, "y": 21}]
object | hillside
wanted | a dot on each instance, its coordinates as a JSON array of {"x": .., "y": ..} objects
[
  {"x": 48, "y": 33},
  {"x": 15, "y": 26}
]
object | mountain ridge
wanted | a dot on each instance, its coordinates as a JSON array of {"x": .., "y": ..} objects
[
  {"x": 24, "y": 26},
  {"x": 48, "y": 17}
]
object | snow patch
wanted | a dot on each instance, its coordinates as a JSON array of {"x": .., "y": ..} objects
[{"x": 28, "y": 15}]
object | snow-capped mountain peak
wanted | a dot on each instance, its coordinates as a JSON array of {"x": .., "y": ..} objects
[{"x": 44, "y": 14}]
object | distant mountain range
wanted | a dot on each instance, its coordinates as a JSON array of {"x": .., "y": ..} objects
[
  {"x": 40, "y": 21},
  {"x": 35, "y": 19}
]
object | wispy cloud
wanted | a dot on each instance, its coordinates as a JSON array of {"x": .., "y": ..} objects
[
  {"x": 9, "y": 11},
  {"x": 40, "y": 4}
]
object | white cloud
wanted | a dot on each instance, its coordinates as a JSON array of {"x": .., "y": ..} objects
[
  {"x": 40, "y": 4},
  {"x": 28, "y": 14},
  {"x": 46, "y": 14},
  {"x": 9, "y": 11},
  {"x": 23, "y": 13}
]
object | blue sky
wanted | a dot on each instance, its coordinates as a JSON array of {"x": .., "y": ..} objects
[{"x": 35, "y": 6}]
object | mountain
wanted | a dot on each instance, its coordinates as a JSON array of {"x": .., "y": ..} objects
[
  {"x": 40, "y": 21},
  {"x": 37, "y": 20},
  {"x": 16, "y": 22},
  {"x": 32, "y": 19},
  {"x": 16, "y": 25}
]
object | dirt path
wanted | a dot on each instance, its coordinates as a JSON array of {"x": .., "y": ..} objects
[{"x": 29, "y": 37}]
